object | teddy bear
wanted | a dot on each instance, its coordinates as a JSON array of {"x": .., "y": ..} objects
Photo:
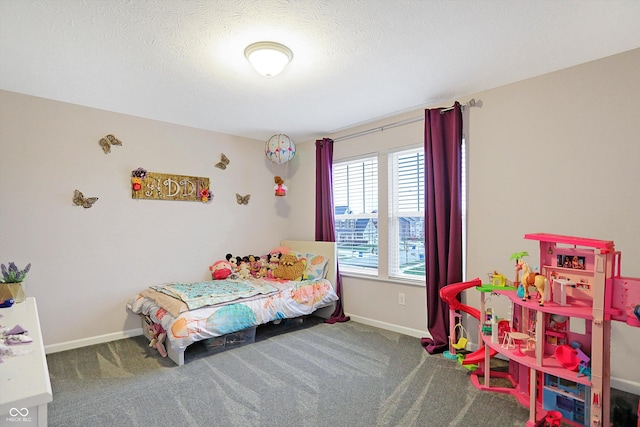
[
  {"x": 221, "y": 269},
  {"x": 244, "y": 270},
  {"x": 279, "y": 188},
  {"x": 290, "y": 268}
]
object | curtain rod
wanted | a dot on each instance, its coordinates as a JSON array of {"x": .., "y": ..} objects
[{"x": 471, "y": 103}]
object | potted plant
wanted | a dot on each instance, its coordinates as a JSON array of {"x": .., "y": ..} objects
[{"x": 11, "y": 282}]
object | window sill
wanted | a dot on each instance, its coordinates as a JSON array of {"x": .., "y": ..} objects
[{"x": 394, "y": 280}]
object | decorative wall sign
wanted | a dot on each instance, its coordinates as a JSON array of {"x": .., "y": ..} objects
[
  {"x": 162, "y": 186},
  {"x": 80, "y": 200},
  {"x": 107, "y": 142}
]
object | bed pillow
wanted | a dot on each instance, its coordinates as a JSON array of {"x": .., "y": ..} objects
[{"x": 317, "y": 265}]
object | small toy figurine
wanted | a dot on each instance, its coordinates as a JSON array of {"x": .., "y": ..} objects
[{"x": 280, "y": 188}]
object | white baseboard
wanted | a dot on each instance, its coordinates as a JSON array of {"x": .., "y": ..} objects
[
  {"x": 70, "y": 345},
  {"x": 416, "y": 333}
]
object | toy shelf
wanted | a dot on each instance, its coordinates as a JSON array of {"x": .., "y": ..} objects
[
  {"x": 569, "y": 270},
  {"x": 550, "y": 364}
]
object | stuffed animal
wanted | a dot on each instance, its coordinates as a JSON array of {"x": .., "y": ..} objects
[
  {"x": 234, "y": 261},
  {"x": 290, "y": 268},
  {"x": 244, "y": 271},
  {"x": 221, "y": 270},
  {"x": 272, "y": 262},
  {"x": 279, "y": 188},
  {"x": 158, "y": 334},
  {"x": 256, "y": 265}
]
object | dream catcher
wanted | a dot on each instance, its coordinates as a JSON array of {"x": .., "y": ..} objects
[{"x": 280, "y": 150}]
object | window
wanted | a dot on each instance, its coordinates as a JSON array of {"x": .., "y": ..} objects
[
  {"x": 406, "y": 214},
  {"x": 380, "y": 214},
  {"x": 355, "y": 196}
]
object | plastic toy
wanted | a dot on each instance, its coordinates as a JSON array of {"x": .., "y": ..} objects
[
  {"x": 462, "y": 341},
  {"x": 553, "y": 419},
  {"x": 564, "y": 372},
  {"x": 529, "y": 278}
]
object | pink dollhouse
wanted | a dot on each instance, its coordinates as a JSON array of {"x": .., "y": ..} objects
[{"x": 559, "y": 353}]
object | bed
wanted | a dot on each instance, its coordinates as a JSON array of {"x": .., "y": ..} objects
[{"x": 188, "y": 314}]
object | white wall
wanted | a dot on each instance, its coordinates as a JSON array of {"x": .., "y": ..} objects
[
  {"x": 86, "y": 263},
  {"x": 557, "y": 154}
]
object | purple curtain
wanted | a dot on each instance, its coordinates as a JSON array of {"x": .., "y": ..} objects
[
  {"x": 325, "y": 223},
  {"x": 443, "y": 217}
]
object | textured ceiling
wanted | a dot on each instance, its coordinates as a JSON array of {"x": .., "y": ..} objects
[{"x": 354, "y": 61}]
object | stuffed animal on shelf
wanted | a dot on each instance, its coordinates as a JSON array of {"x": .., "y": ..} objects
[
  {"x": 290, "y": 268},
  {"x": 158, "y": 334},
  {"x": 221, "y": 269}
]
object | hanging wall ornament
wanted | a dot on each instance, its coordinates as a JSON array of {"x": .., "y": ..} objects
[
  {"x": 280, "y": 149},
  {"x": 224, "y": 161},
  {"x": 280, "y": 189},
  {"x": 80, "y": 200},
  {"x": 107, "y": 142}
]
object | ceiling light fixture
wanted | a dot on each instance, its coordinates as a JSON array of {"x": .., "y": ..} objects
[{"x": 268, "y": 58}]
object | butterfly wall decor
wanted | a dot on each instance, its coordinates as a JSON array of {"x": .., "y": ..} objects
[
  {"x": 80, "y": 200},
  {"x": 107, "y": 142},
  {"x": 243, "y": 200},
  {"x": 224, "y": 161}
]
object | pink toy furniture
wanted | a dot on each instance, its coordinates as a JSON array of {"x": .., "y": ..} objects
[{"x": 571, "y": 381}]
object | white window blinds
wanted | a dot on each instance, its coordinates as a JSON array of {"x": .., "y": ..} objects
[
  {"x": 355, "y": 192},
  {"x": 406, "y": 214}
]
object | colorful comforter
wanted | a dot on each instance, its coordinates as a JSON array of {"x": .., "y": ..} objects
[
  {"x": 184, "y": 326},
  {"x": 213, "y": 292}
]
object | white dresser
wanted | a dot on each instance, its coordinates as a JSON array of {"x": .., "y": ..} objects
[{"x": 25, "y": 389}]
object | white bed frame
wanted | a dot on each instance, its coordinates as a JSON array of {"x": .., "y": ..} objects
[{"x": 328, "y": 249}]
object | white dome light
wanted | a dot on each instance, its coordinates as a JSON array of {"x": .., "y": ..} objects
[{"x": 268, "y": 58}]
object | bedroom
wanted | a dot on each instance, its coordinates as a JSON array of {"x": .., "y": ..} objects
[{"x": 578, "y": 122}]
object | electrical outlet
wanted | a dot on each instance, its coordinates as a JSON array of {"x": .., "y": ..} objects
[{"x": 401, "y": 299}]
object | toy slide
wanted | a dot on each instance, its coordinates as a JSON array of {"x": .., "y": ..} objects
[{"x": 448, "y": 295}]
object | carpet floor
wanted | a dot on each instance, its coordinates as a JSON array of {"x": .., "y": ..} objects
[{"x": 313, "y": 375}]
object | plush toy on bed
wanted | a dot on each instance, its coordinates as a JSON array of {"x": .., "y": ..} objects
[
  {"x": 244, "y": 270},
  {"x": 158, "y": 334},
  {"x": 255, "y": 265},
  {"x": 273, "y": 261},
  {"x": 290, "y": 268},
  {"x": 220, "y": 270},
  {"x": 234, "y": 261}
]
